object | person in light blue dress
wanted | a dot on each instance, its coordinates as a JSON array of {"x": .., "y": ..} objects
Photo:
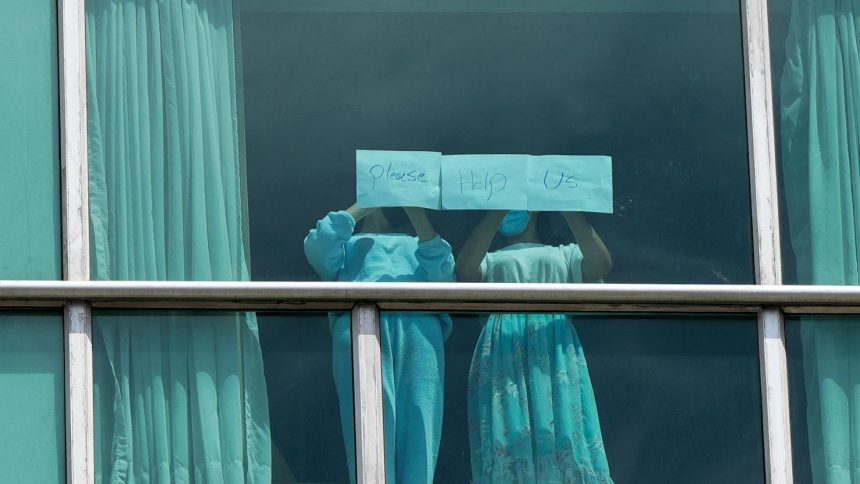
[
  {"x": 412, "y": 343},
  {"x": 532, "y": 413}
]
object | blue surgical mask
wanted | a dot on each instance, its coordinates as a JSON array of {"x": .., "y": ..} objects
[{"x": 514, "y": 223}]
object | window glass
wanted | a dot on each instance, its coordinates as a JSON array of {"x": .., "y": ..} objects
[
  {"x": 823, "y": 383},
  {"x": 235, "y": 133},
  {"x": 32, "y": 412},
  {"x": 222, "y": 396},
  {"x": 572, "y": 398},
  {"x": 29, "y": 143}
]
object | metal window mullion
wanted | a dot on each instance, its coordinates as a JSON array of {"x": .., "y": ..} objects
[
  {"x": 774, "y": 388},
  {"x": 367, "y": 395},
  {"x": 80, "y": 461},
  {"x": 766, "y": 236}
]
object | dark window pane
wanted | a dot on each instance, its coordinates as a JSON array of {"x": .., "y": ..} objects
[{"x": 548, "y": 397}]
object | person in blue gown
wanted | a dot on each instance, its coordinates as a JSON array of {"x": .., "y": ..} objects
[
  {"x": 412, "y": 343},
  {"x": 532, "y": 413}
]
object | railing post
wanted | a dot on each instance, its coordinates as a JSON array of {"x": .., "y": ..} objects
[{"x": 367, "y": 381}]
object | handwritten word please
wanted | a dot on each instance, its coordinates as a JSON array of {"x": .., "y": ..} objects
[
  {"x": 491, "y": 184},
  {"x": 381, "y": 172}
]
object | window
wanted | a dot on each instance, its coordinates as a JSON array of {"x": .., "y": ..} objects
[
  {"x": 207, "y": 395},
  {"x": 634, "y": 397},
  {"x": 29, "y": 142},
  {"x": 31, "y": 380},
  {"x": 31, "y": 342},
  {"x": 201, "y": 142}
]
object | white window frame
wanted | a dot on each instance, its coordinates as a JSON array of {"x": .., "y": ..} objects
[{"x": 77, "y": 295}]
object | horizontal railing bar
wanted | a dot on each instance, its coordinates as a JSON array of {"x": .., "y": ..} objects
[{"x": 444, "y": 294}]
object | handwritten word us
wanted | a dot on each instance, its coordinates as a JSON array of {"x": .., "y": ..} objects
[{"x": 554, "y": 181}]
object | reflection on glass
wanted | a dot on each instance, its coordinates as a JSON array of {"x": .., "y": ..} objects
[
  {"x": 816, "y": 64},
  {"x": 199, "y": 401},
  {"x": 32, "y": 417},
  {"x": 678, "y": 399},
  {"x": 411, "y": 343}
]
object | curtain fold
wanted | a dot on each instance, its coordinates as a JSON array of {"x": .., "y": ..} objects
[
  {"x": 181, "y": 396},
  {"x": 820, "y": 129}
]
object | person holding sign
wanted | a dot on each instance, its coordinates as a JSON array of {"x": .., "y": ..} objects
[
  {"x": 532, "y": 414},
  {"x": 412, "y": 343}
]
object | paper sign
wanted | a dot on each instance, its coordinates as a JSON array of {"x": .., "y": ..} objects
[
  {"x": 397, "y": 179},
  {"x": 570, "y": 183},
  {"x": 486, "y": 182}
]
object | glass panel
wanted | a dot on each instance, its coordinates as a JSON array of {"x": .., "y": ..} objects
[
  {"x": 32, "y": 412},
  {"x": 202, "y": 396},
  {"x": 510, "y": 398},
  {"x": 259, "y": 106},
  {"x": 29, "y": 144},
  {"x": 816, "y": 66},
  {"x": 823, "y": 357},
  {"x": 656, "y": 86}
]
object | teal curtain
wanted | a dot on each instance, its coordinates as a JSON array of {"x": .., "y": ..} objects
[
  {"x": 179, "y": 398},
  {"x": 820, "y": 123}
]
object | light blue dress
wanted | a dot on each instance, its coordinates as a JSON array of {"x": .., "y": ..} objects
[
  {"x": 412, "y": 343},
  {"x": 532, "y": 414}
]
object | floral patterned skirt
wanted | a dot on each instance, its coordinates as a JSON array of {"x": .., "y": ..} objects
[{"x": 532, "y": 414}]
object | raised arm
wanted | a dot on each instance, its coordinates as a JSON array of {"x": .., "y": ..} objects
[
  {"x": 325, "y": 245},
  {"x": 596, "y": 259},
  {"x": 422, "y": 224},
  {"x": 435, "y": 261},
  {"x": 469, "y": 260}
]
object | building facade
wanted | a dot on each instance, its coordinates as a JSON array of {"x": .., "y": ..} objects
[{"x": 411, "y": 241}]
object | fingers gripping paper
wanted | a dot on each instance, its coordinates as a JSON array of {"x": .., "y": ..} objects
[{"x": 397, "y": 179}]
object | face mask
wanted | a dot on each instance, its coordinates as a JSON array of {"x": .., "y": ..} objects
[{"x": 514, "y": 223}]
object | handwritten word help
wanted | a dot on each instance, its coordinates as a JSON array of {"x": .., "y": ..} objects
[
  {"x": 490, "y": 184},
  {"x": 382, "y": 172}
]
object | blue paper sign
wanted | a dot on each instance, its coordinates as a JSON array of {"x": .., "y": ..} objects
[
  {"x": 486, "y": 182},
  {"x": 570, "y": 183},
  {"x": 397, "y": 179}
]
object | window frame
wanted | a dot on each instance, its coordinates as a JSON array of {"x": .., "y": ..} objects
[{"x": 78, "y": 295}]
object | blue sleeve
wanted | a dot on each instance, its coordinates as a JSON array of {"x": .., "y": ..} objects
[
  {"x": 435, "y": 260},
  {"x": 325, "y": 245}
]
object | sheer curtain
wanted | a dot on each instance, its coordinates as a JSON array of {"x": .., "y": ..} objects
[
  {"x": 180, "y": 398},
  {"x": 820, "y": 111}
]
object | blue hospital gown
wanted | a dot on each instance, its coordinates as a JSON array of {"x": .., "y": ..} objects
[
  {"x": 412, "y": 343},
  {"x": 532, "y": 414}
]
